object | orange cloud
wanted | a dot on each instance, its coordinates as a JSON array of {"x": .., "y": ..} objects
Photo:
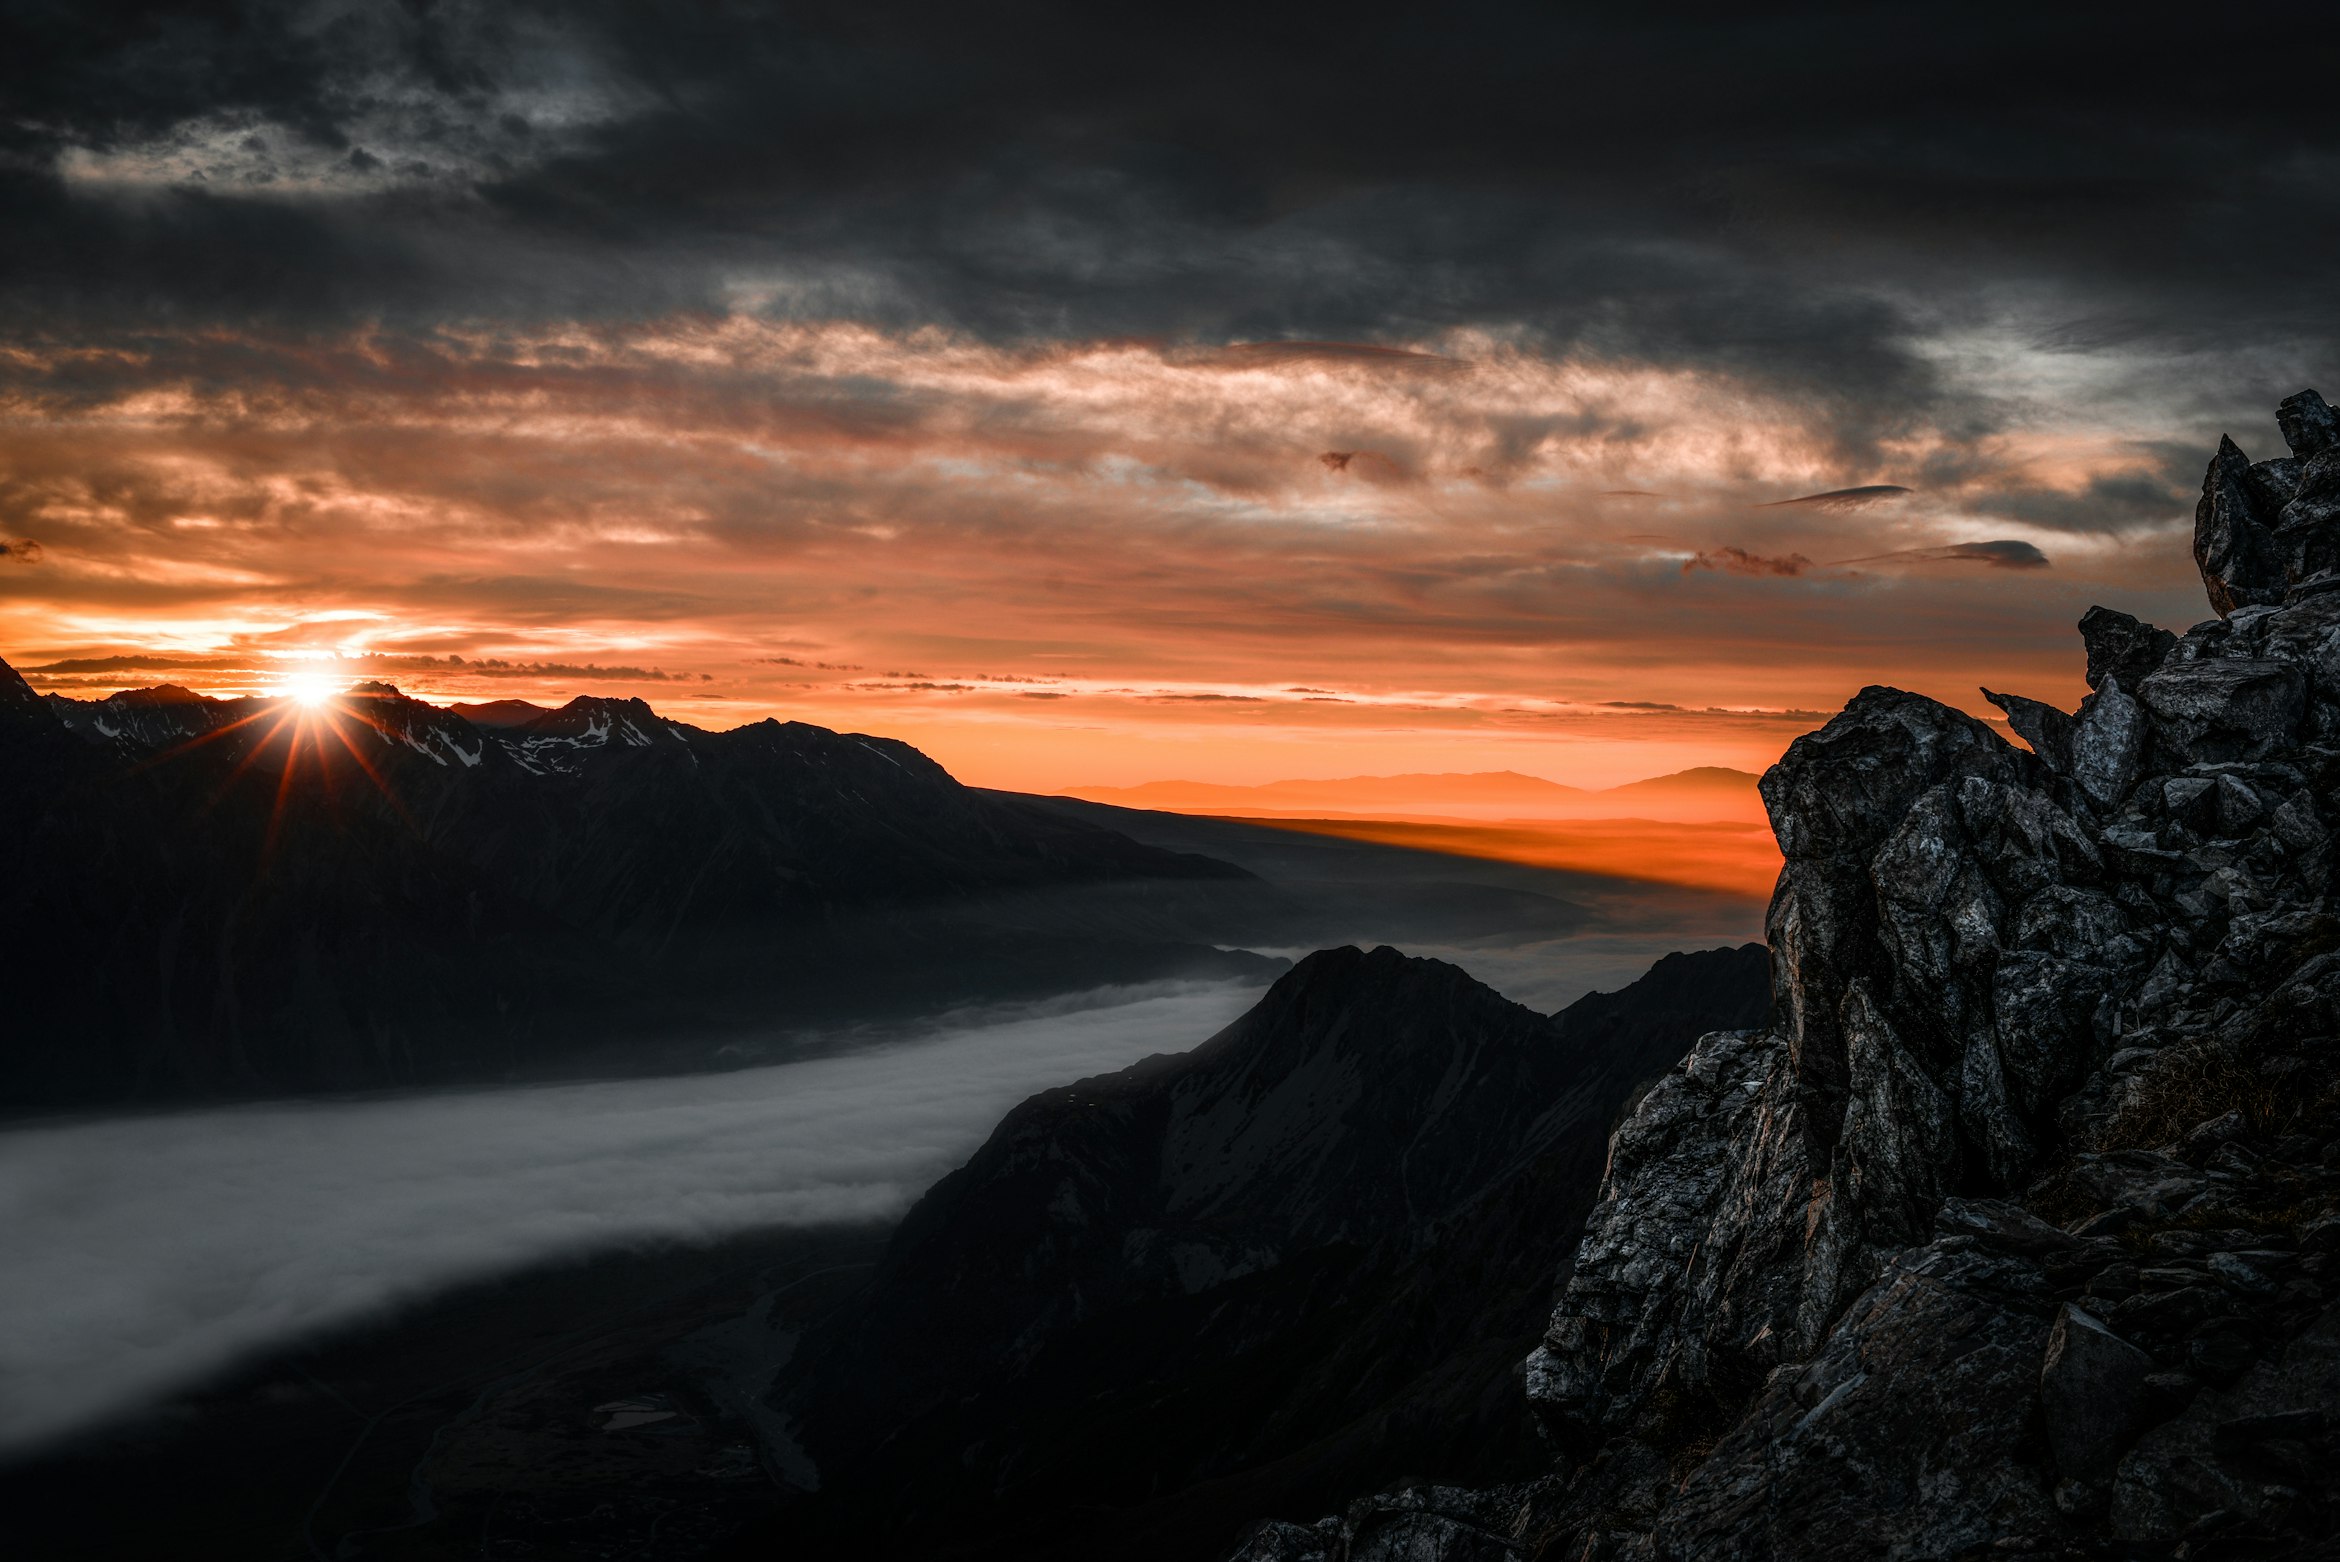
[
  {"x": 1102, "y": 559},
  {"x": 1740, "y": 562}
]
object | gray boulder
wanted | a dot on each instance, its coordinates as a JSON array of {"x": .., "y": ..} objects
[
  {"x": 2108, "y": 743},
  {"x": 1277, "y": 1541},
  {"x": 2225, "y": 708},
  {"x": 2307, "y": 527},
  {"x": 2241, "y": 1451},
  {"x": 2047, "y": 729},
  {"x": 1687, "y": 1266},
  {"x": 2092, "y": 1395},
  {"x": 1997, "y": 1223},
  {"x": 1892, "y": 1442},
  {"x": 2308, "y": 425},
  {"x": 2233, "y": 546},
  {"x": 1900, "y": 1276},
  {"x": 1416, "y": 1524},
  {"x": 2273, "y": 484},
  {"x": 1834, "y": 798},
  {"x": 2124, "y": 646},
  {"x": 1434, "y": 1524}
]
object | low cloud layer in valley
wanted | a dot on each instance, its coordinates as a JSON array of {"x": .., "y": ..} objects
[{"x": 146, "y": 1252}]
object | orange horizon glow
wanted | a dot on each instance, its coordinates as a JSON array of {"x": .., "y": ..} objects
[
  {"x": 309, "y": 688},
  {"x": 1050, "y": 567}
]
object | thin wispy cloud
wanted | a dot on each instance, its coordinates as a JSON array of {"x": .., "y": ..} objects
[
  {"x": 1843, "y": 498},
  {"x": 2004, "y": 554}
]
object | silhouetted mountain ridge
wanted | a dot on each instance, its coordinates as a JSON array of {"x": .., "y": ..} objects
[
  {"x": 257, "y": 896},
  {"x": 1705, "y": 791},
  {"x": 1309, "y": 1249}
]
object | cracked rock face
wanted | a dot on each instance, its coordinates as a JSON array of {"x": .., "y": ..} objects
[
  {"x": 1886, "y": 1444},
  {"x": 2233, "y": 546},
  {"x": 2092, "y": 1393},
  {"x": 2262, "y": 529},
  {"x": 2012, "y": 1234}
]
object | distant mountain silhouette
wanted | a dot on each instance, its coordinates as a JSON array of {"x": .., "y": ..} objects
[
  {"x": 248, "y": 896},
  {"x": 1708, "y": 792},
  {"x": 499, "y": 713},
  {"x": 1702, "y": 782},
  {"x": 1301, "y": 1258}
]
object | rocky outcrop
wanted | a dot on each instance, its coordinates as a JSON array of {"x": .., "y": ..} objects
[
  {"x": 2234, "y": 547},
  {"x": 2013, "y": 1233},
  {"x": 2307, "y": 425},
  {"x": 2121, "y": 646},
  {"x": 2262, "y": 528},
  {"x": 1889, "y": 1442}
]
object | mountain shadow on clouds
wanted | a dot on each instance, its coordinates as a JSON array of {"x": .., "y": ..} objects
[{"x": 1843, "y": 498}]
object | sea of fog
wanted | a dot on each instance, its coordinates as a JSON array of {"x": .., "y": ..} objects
[{"x": 142, "y": 1253}]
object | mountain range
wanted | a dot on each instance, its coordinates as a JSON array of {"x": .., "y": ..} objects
[
  {"x": 1707, "y": 792},
  {"x": 243, "y": 896}
]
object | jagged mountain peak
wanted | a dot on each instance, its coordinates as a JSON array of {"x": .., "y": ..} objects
[
  {"x": 18, "y": 702},
  {"x": 1296, "y": 1107},
  {"x": 158, "y": 694},
  {"x": 600, "y": 720},
  {"x": 590, "y": 704},
  {"x": 1319, "y": 1224},
  {"x": 2265, "y": 529},
  {"x": 498, "y": 715}
]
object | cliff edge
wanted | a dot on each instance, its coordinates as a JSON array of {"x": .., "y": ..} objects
[{"x": 2013, "y": 1233}]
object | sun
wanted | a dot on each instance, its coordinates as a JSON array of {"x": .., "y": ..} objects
[{"x": 309, "y": 688}]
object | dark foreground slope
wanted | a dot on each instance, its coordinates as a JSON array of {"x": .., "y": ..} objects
[
  {"x": 206, "y": 897},
  {"x": 1304, "y": 1257},
  {"x": 2016, "y": 1233}
]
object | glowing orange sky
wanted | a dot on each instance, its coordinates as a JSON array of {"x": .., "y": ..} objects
[{"x": 1090, "y": 563}]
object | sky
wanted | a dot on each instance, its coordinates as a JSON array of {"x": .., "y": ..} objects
[
  {"x": 1092, "y": 397},
  {"x": 148, "y": 1253}
]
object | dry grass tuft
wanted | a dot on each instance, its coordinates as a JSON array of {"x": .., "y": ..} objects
[{"x": 2188, "y": 1083}]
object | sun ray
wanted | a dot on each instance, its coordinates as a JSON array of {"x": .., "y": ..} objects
[
  {"x": 366, "y": 765},
  {"x": 179, "y": 750},
  {"x": 277, "y": 809}
]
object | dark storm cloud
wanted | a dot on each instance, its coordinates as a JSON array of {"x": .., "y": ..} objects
[
  {"x": 2146, "y": 495},
  {"x": 1795, "y": 198}
]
